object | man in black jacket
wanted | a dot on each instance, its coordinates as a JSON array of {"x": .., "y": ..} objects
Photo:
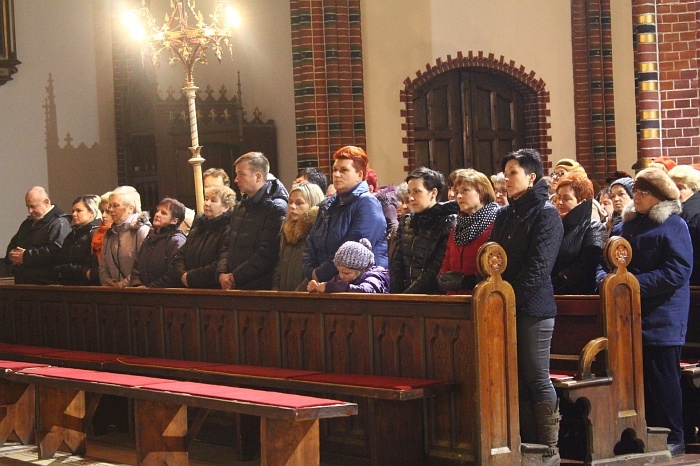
[
  {"x": 31, "y": 251},
  {"x": 248, "y": 260}
]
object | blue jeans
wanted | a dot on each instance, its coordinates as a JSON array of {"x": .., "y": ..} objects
[{"x": 534, "y": 344}]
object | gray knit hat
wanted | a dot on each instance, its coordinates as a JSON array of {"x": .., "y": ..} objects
[
  {"x": 626, "y": 182},
  {"x": 355, "y": 255}
]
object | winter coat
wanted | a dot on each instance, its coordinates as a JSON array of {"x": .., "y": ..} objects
[
  {"x": 691, "y": 215},
  {"x": 153, "y": 267},
  {"x": 120, "y": 248},
  {"x": 374, "y": 280},
  {"x": 199, "y": 256},
  {"x": 345, "y": 217},
  {"x": 580, "y": 252},
  {"x": 421, "y": 241},
  {"x": 530, "y": 230},
  {"x": 463, "y": 258},
  {"x": 41, "y": 240},
  {"x": 252, "y": 250},
  {"x": 289, "y": 273},
  {"x": 662, "y": 252},
  {"x": 75, "y": 258}
]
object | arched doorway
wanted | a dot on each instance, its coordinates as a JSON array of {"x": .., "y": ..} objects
[{"x": 471, "y": 111}]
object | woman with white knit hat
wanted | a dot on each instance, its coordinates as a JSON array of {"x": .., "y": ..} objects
[{"x": 662, "y": 262}]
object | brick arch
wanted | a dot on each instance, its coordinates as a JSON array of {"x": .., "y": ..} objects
[{"x": 533, "y": 90}]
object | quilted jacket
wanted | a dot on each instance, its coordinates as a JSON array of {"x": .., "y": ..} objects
[
  {"x": 691, "y": 215},
  {"x": 530, "y": 230},
  {"x": 580, "y": 252}
]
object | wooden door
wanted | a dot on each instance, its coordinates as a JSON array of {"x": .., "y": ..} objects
[{"x": 466, "y": 118}]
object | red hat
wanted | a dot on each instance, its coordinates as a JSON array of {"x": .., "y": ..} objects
[{"x": 665, "y": 161}]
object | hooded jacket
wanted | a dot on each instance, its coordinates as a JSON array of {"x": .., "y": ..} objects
[
  {"x": 199, "y": 256},
  {"x": 120, "y": 247},
  {"x": 691, "y": 215},
  {"x": 345, "y": 217},
  {"x": 661, "y": 260},
  {"x": 289, "y": 273},
  {"x": 155, "y": 260},
  {"x": 530, "y": 230},
  {"x": 41, "y": 240},
  {"x": 75, "y": 258},
  {"x": 252, "y": 250},
  {"x": 373, "y": 280},
  {"x": 421, "y": 241},
  {"x": 580, "y": 252}
]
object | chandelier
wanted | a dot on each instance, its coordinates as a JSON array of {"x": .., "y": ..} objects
[{"x": 184, "y": 36}]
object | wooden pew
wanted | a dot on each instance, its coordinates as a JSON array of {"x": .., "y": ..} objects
[
  {"x": 289, "y": 423},
  {"x": 608, "y": 395},
  {"x": 464, "y": 340},
  {"x": 690, "y": 369}
]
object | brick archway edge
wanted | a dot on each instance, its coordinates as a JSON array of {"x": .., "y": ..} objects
[{"x": 535, "y": 98}]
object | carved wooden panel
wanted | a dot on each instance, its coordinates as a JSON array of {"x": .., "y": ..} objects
[
  {"x": 180, "y": 325},
  {"x": 7, "y": 322},
  {"x": 218, "y": 332},
  {"x": 302, "y": 347},
  {"x": 347, "y": 344},
  {"x": 113, "y": 329},
  {"x": 28, "y": 326},
  {"x": 146, "y": 331},
  {"x": 82, "y": 322},
  {"x": 397, "y": 346},
  {"x": 258, "y": 338},
  {"x": 56, "y": 332}
]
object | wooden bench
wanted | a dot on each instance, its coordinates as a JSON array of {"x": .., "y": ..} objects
[
  {"x": 598, "y": 371},
  {"x": 289, "y": 428},
  {"x": 690, "y": 369},
  {"x": 465, "y": 341}
]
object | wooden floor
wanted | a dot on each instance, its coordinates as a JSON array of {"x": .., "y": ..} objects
[{"x": 115, "y": 450}]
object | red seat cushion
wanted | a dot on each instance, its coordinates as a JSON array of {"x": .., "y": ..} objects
[
  {"x": 562, "y": 375},
  {"x": 26, "y": 349},
  {"x": 85, "y": 375},
  {"x": 18, "y": 366},
  {"x": 258, "y": 371},
  {"x": 243, "y": 394},
  {"x": 374, "y": 381},
  {"x": 165, "y": 363},
  {"x": 86, "y": 356}
]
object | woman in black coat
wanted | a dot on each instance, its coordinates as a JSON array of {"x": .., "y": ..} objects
[
  {"x": 581, "y": 248},
  {"x": 687, "y": 180},
  {"x": 530, "y": 231},
  {"x": 74, "y": 258},
  {"x": 421, "y": 239},
  {"x": 195, "y": 263},
  {"x": 155, "y": 258}
]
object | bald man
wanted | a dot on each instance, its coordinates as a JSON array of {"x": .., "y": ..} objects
[{"x": 32, "y": 250}]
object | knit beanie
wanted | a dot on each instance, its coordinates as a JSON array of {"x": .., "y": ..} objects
[
  {"x": 627, "y": 183},
  {"x": 658, "y": 183},
  {"x": 355, "y": 255}
]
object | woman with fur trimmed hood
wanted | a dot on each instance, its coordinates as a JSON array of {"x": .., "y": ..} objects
[
  {"x": 301, "y": 215},
  {"x": 662, "y": 262},
  {"x": 123, "y": 240}
]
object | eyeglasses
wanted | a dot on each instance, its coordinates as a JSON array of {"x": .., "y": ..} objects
[
  {"x": 641, "y": 192},
  {"x": 556, "y": 175},
  {"x": 501, "y": 192}
]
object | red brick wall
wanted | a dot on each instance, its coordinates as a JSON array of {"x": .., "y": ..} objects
[
  {"x": 667, "y": 44},
  {"x": 535, "y": 99},
  {"x": 328, "y": 83},
  {"x": 593, "y": 87}
]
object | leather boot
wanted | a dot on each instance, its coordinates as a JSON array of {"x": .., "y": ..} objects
[
  {"x": 528, "y": 428},
  {"x": 547, "y": 422}
]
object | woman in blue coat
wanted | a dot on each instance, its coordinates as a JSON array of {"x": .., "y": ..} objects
[
  {"x": 662, "y": 262},
  {"x": 352, "y": 213}
]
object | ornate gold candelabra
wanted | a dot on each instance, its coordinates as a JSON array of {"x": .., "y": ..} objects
[{"x": 186, "y": 37}]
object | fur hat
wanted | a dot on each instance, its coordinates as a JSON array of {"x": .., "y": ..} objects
[
  {"x": 355, "y": 255},
  {"x": 569, "y": 165},
  {"x": 626, "y": 182},
  {"x": 658, "y": 183}
]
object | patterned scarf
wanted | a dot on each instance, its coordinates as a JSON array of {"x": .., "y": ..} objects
[{"x": 469, "y": 227}]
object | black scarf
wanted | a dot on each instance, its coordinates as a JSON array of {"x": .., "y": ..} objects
[{"x": 470, "y": 227}]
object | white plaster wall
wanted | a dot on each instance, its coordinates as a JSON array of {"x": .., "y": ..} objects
[{"x": 76, "y": 51}]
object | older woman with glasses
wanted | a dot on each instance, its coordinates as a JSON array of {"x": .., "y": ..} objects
[
  {"x": 499, "y": 189},
  {"x": 662, "y": 254},
  {"x": 687, "y": 181}
]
